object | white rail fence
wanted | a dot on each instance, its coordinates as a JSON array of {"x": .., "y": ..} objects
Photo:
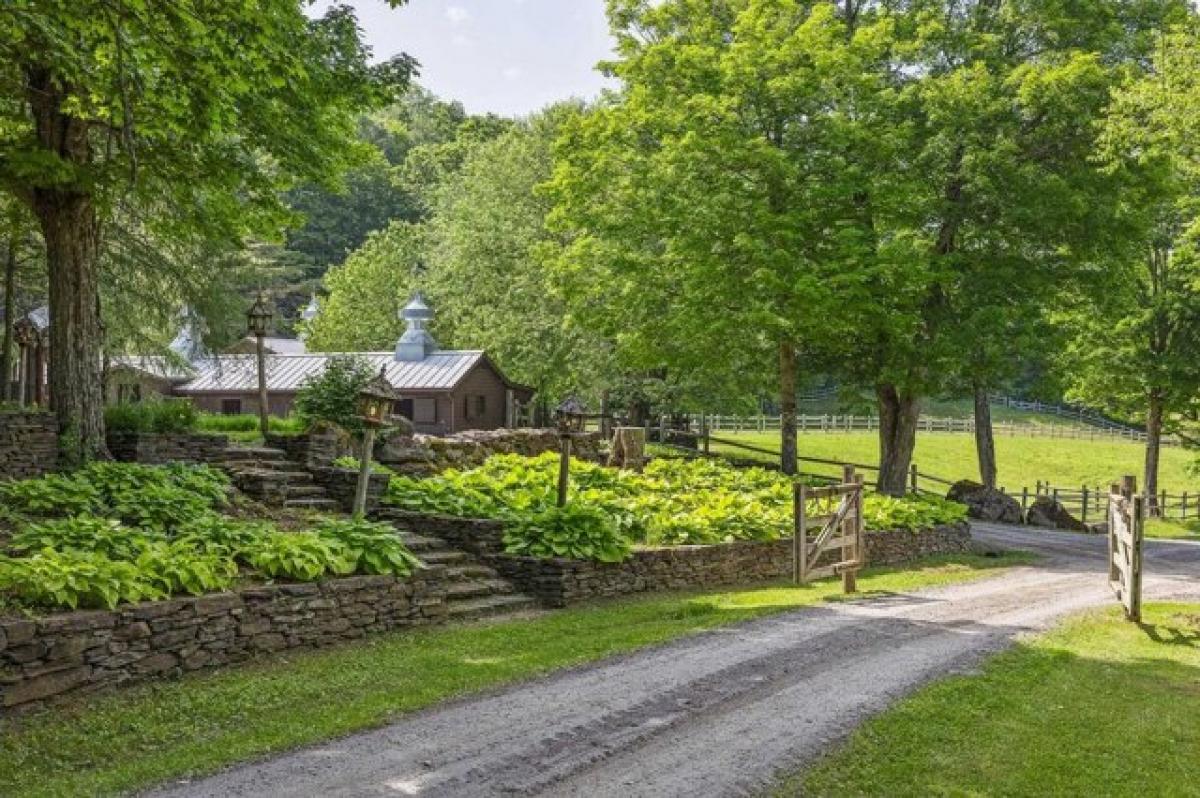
[{"x": 927, "y": 424}]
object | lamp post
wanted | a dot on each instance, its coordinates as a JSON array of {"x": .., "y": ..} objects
[
  {"x": 258, "y": 321},
  {"x": 375, "y": 402},
  {"x": 569, "y": 418}
]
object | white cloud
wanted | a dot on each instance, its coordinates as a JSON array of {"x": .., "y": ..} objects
[
  {"x": 512, "y": 72},
  {"x": 461, "y": 40},
  {"x": 457, "y": 15}
]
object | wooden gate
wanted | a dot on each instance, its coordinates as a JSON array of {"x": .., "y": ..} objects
[
  {"x": 1126, "y": 516},
  {"x": 834, "y": 514}
]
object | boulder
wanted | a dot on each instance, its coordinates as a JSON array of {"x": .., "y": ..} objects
[
  {"x": 1045, "y": 511},
  {"x": 986, "y": 504}
]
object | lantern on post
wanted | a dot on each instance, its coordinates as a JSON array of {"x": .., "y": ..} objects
[
  {"x": 258, "y": 322},
  {"x": 569, "y": 418},
  {"x": 375, "y": 402}
]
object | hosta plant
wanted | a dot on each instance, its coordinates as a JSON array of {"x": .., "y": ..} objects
[
  {"x": 373, "y": 548},
  {"x": 575, "y": 531},
  {"x": 299, "y": 557},
  {"x": 74, "y": 579}
]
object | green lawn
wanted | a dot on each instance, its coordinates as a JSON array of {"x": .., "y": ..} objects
[
  {"x": 133, "y": 738},
  {"x": 1021, "y": 461},
  {"x": 1098, "y": 707},
  {"x": 1173, "y": 529}
]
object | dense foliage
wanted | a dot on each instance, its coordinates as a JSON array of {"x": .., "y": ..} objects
[
  {"x": 117, "y": 532},
  {"x": 163, "y": 416},
  {"x": 333, "y": 395},
  {"x": 674, "y": 502}
]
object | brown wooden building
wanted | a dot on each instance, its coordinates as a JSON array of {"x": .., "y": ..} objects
[{"x": 441, "y": 391}]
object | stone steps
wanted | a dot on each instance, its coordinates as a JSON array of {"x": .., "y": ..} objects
[
  {"x": 268, "y": 475},
  {"x": 488, "y": 606},
  {"x": 323, "y": 503}
]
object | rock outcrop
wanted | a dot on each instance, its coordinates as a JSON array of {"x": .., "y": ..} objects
[{"x": 984, "y": 503}]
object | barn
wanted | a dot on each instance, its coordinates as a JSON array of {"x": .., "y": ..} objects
[{"x": 441, "y": 391}]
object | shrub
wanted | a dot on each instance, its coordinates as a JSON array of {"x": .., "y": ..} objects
[
  {"x": 301, "y": 556},
  {"x": 214, "y": 422},
  {"x": 576, "y": 531},
  {"x": 372, "y": 548},
  {"x": 74, "y": 579},
  {"x": 332, "y": 396},
  {"x": 161, "y": 416}
]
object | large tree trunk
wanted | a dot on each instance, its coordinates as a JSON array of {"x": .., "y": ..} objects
[
  {"x": 1154, "y": 425},
  {"x": 70, "y": 229},
  {"x": 10, "y": 308},
  {"x": 67, "y": 215},
  {"x": 787, "y": 407},
  {"x": 898, "y": 414},
  {"x": 985, "y": 441}
]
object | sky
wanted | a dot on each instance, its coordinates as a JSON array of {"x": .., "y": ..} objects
[{"x": 510, "y": 57}]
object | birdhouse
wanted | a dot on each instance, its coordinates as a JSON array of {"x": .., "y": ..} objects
[
  {"x": 570, "y": 416},
  {"x": 375, "y": 400}
]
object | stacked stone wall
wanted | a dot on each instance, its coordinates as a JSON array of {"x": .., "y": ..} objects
[
  {"x": 42, "y": 659},
  {"x": 28, "y": 445},
  {"x": 154, "y": 448},
  {"x": 420, "y": 455}
]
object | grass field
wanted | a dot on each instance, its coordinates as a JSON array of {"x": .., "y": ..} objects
[
  {"x": 1098, "y": 707},
  {"x": 1021, "y": 461},
  {"x": 136, "y": 737}
]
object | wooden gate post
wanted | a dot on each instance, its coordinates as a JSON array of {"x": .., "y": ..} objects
[
  {"x": 800, "y": 534},
  {"x": 1134, "y": 611}
]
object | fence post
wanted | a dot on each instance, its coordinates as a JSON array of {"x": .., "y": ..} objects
[
  {"x": 914, "y": 474},
  {"x": 1085, "y": 504},
  {"x": 799, "y": 534},
  {"x": 1183, "y": 506},
  {"x": 1024, "y": 500},
  {"x": 1055, "y": 496},
  {"x": 1162, "y": 505}
]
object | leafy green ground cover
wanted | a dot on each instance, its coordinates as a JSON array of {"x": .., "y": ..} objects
[
  {"x": 1098, "y": 707},
  {"x": 112, "y": 533},
  {"x": 1063, "y": 462},
  {"x": 205, "y": 722},
  {"x": 675, "y": 502}
]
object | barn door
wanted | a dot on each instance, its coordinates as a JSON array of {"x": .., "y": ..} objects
[{"x": 1126, "y": 516}]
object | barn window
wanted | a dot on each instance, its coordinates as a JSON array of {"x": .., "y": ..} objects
[
  {"x": 424, "y": 410},
  {"x": 231, "y": 407},
  {"x": 475, "y": 406}
]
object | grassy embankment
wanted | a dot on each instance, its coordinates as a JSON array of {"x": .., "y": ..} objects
[
  {"x": 205, "y": 722},
  {"x": 1099, "y": 706}
]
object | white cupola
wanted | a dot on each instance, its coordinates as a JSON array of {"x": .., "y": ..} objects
[{"x": 416, "y": 344}]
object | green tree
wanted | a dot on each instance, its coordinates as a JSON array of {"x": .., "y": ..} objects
[
  {"x": 209, "y": 107},
  {"x": 486, "y": 274},
  {"x": 1001, "y": 208},
  {"x": 333, "y": 395},
  {"x": 367, "y": 292},
  {"x": 1137, "y": 350},
  {"x": 710, "y": 209}
]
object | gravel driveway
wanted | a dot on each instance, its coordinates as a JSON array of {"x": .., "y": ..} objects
[{"x": 714, "y": 714}]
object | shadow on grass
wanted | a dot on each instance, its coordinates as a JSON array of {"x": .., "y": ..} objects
[{"x": 1099, "y": 707}]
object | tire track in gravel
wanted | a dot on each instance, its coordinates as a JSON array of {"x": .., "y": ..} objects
[{"x": 714, "y": 714}]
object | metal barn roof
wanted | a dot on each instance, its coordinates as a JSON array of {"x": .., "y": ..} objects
[{"x": 440, "y": 371}]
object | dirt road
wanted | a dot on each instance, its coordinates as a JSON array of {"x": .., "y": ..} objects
[{"x": 715, "y": 714}]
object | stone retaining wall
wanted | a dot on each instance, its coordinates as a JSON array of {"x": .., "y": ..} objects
[
  {"x": 420, "y": 455},
  {"x": 312, "y": 450},
  {"x": 341, "y": 484},
  {"x": 45, "y": 658},
  {"x": 561, "y": 582},
  {"x": 28, "y": 445},
  {"x": 154, "y": 448}
]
